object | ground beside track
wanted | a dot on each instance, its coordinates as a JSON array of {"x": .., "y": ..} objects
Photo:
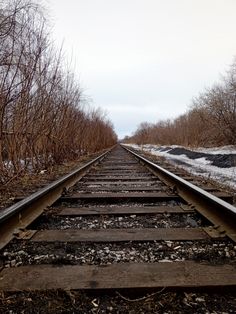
[{"x": 24, "y": 184}]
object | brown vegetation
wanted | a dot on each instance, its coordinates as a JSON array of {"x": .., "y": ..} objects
[
  {"x": 43, "y": 120},
  {"x": 210, "y": 121}
]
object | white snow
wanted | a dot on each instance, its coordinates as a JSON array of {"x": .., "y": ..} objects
[
  {"x": 199, "y": 166},
  {"x": 225, "y": 150}
]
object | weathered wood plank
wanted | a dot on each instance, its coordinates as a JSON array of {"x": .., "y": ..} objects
[
  {"x": 133, "y": 196},
  {"x": 121, "y": 188},
  {"x": 115, "y": 167},
  {"x": 120, "y": 235},
  {"x": 73, "y": 211},
  {"x": 99, "y": 177},
  {"x": 121, "y": 182},
  {"x": 119, "y": 162},
  {"x": 121, "y": 172},
  {"x": 224, "y": 196},
  {"x": 118, "y": 276}
]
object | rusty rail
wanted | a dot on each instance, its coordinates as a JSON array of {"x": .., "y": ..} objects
[
  {"x": 218, "y": 211},
  {"x": 21, "y": 214}
]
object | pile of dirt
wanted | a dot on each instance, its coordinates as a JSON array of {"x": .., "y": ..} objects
[{"x": 218, "y": 160}]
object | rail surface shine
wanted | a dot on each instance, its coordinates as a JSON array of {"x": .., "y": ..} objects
[{"x": 121, "y": 226}]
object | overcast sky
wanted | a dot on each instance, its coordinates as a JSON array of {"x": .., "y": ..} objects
[{"x": 144, "y": 60}]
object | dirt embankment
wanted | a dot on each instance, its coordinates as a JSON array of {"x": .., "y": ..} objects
[{"x": 218, "y": 160}]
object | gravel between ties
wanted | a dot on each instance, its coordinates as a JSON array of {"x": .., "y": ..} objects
[
  {"x": 28, "y": 253},
  {"x": 121, "y": 221}
]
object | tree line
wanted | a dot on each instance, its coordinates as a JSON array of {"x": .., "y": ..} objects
[
  {"x": 44, "y": 119},
  {"x": 210, "y": 120}
]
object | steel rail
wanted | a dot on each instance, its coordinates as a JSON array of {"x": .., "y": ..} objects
[
  {"x": 216, "y": 210},
  {"x": 18, "y": 216}
]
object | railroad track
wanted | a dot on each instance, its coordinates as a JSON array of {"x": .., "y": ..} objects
[{"x": 126, "y": 224}]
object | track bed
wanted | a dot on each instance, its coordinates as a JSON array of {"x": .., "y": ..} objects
[{"x": 120, "y": 241}]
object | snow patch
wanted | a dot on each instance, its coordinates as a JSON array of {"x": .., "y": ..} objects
[{"x": 199, "y": 166}]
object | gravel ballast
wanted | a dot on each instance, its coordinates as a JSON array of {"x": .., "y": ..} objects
[
  {"x": 22, "y": 253},
  {"x": 119, "y": 221}
]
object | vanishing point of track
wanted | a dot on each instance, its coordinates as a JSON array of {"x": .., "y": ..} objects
[{"x": 86, "y": 231}]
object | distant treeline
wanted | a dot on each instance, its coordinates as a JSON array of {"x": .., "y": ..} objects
[
  {"x": 211, "y": 119},
  {"x": 43, "y": 117}
]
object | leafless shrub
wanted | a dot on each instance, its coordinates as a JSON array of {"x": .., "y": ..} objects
[{"x": 42, "y": 119}]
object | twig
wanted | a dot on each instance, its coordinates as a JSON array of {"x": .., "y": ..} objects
[
  {"x": 140, "y": 299},
  {"x": 14, "y": 177}
]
